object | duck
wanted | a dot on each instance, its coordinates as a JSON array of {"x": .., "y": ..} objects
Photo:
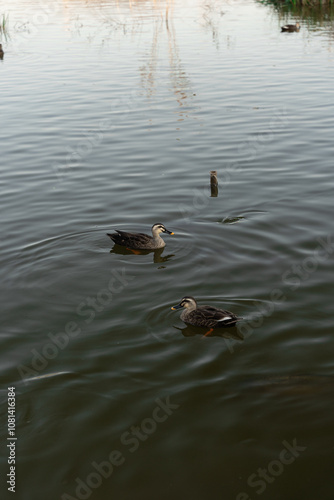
[
  {"x": 141, "y": 241},
  {"x": 1, "y": 52},
  {"x": 205, "y": 316},
  {"x": 291, "y": 27}
]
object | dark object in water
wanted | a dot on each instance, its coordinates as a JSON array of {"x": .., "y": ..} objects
[
  {"x": 291, "y": 27},
  {"x": 1, "y": 52},
  {"x": 214, "y": 183}
]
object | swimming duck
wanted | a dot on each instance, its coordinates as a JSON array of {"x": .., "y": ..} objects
[
  {"x": 291, "y": 27},
  {"x": 1, "y": 52},
  {"x": 207, "y": 316},
  {"x": 140, "y": 241}
]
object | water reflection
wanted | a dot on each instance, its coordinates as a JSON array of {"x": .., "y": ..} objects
[
  {"x": 315, "y": 16},
  {"x": 120, "y": 18},
  {"x": 210, "y": 19},
  {"x": 180, "y": 82},
  {"x": 226, "y": 333},
  {"x": 290, "y": 385},
  {"x": 158, "y": 258}
]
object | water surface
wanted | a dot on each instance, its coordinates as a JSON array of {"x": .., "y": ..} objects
[{"x": 114, "y": 113}]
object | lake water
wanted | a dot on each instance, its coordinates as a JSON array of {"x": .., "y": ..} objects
[{"x": 113, "y": 115}]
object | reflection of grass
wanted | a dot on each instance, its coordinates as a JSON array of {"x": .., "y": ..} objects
[
  {"x": 3, "y": 24},
  {"x": 313, "y": 12},
  {"x": 304, "y": 3}
]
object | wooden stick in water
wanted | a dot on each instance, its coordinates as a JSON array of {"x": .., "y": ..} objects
[{"x": 214, "y": 183}]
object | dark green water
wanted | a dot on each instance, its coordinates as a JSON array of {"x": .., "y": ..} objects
[{"x": 113, "y": 115}]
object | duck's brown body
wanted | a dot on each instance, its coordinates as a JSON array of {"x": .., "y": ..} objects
[
  {"x": 141, "y": 241},
  {"x": 291, "y": 27},
  {"x": 210, "y": 317}
]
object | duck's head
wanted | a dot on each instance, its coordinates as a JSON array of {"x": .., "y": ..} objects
[
  {"x": 297, "y": 25},
  {"x": 159, "y": 228},
  {"x": 187, "y": 302}
]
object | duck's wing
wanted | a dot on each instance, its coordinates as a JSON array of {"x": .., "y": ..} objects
[
  {"x": 218, "y": 317},
  {"x": 130, "y": 240}
]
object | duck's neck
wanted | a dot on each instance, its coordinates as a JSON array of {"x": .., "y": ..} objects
[{"x": 156, "y": 236}]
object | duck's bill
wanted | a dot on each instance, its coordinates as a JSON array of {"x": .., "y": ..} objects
[
  {"x": 168, "y": 232},
  {"x": 176, "y": 307}
]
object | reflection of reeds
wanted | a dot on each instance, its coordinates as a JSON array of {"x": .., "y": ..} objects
[
  {"x": 4, "y": 24},
  {"x": 304, "y": 3},
  {"x": 312, "y": 14}
]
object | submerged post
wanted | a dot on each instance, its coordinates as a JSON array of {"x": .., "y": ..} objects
[{"x": 214, "y": 183}]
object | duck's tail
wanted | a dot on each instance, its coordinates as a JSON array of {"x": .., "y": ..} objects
[
  {"x": 231, "y": 321},
  {"x": 112, "y": 236}
]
